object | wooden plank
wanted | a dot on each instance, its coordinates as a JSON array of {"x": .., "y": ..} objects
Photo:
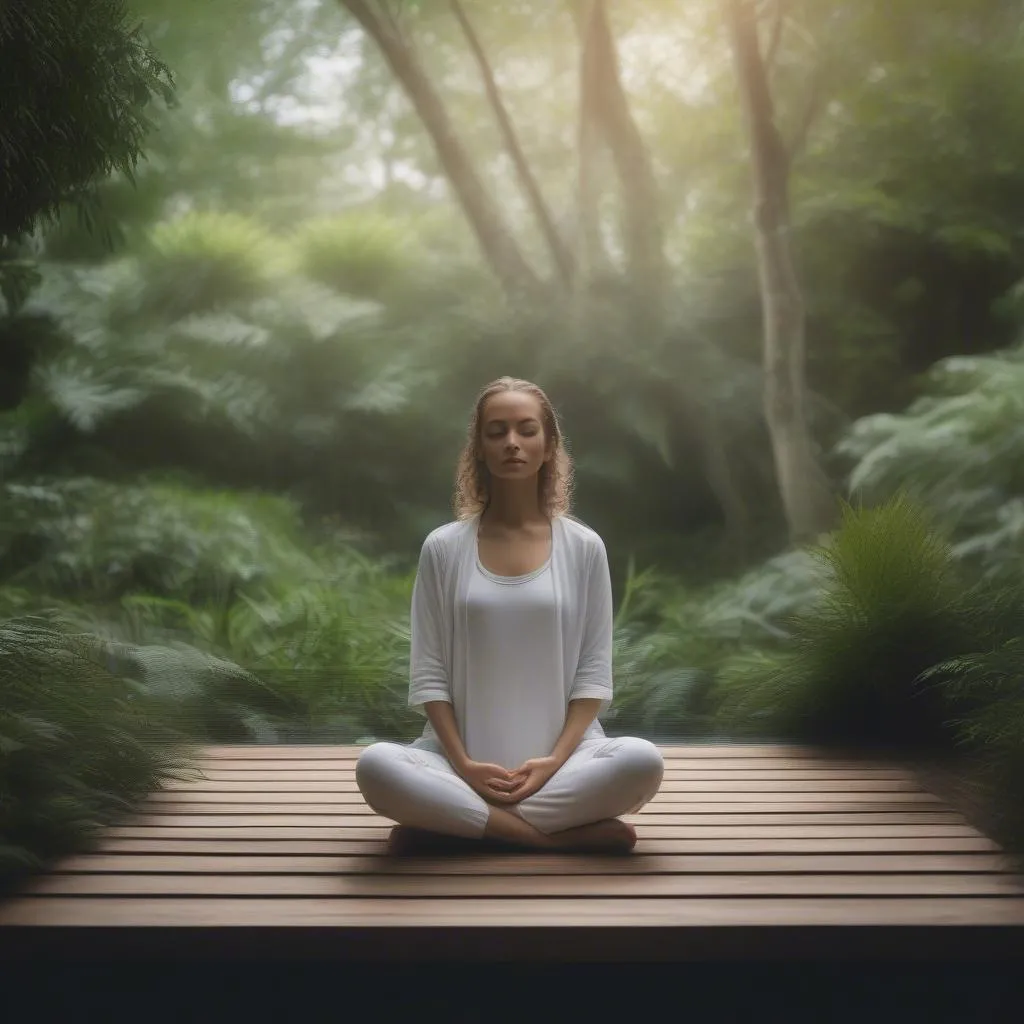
[
  {"x": 550, "y": 886},
  {"x": 818, "y": 818},
  {"x": 678, "y": 822},
  {"x": 290, "y": 769},
  {"x": 180, "y": 859},
  {"x": 657, "y": 840},
  {"x": 602, "y": 913},
  {"x": 351, "y": 751},
  {"x": 334, "y": 815},
  {"x": 669, "y": 829},
  {"x": 247, "y": 783},
  {"x": 350, "y": 803},
  {"x": 287, "y": 844},
  {"x": 333, "y": 820},
  {"x": 338, "y": 781},
  {"x": 652, "y": 813},
  {"x": 739, "y": 786}
]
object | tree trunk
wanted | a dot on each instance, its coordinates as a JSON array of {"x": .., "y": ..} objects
[
  {"x": 591, "y": 257},
  {"x": 643, "y": 227},
  {"x": 807, "y": 498},
  {"x": 607, "y": 106},
  {"x": 492, "y": 232},
  {"x": 528, "y": 182}
]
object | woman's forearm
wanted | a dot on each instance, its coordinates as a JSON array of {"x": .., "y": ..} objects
[
  {"x": 442, "y": 717},
  {"x": 578, "y": 719}
]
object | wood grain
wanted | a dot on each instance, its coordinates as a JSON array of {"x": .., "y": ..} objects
[{"x": 747, "y": 850}]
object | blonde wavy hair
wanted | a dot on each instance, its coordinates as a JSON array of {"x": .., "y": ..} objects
[{"x": 472, "y": 478}]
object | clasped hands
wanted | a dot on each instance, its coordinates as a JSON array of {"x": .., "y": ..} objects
[{"x": 498, "y": 785}]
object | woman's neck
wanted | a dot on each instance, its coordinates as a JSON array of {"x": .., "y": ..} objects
[{"x": 513, "y": 508}]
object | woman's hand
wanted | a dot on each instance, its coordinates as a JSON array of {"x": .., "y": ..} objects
[
  {"x": 531, "y": 776},
  {"x": 491, "y": 781}
]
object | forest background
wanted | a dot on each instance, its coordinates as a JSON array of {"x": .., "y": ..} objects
[{"x": 258, "y": 257}]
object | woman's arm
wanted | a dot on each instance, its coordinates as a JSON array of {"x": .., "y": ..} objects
[
  {"x": 428, "y": 677},
  {"x": 578, "y": 719},
  {"x": 442, "y": 718},
  {"x": 594, "y": 669}
]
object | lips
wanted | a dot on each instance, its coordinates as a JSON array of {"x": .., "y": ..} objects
[{"x": 515, "y": 462}]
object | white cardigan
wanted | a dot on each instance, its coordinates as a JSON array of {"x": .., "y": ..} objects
[{"x": 583, "y": 590}]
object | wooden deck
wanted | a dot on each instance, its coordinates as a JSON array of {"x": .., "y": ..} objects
[{"x": 754, "y": 852}]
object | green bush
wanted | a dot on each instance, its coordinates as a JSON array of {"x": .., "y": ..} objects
[
  {"x": 959, "y": 450},
  {"x": 94, "y": 541},
  {"x": 987, "y": 697},
  {"x": 361, "y": 254},
  {"x": 661, "y": 674},
  {"x": 894, "y": 604},
  {"x": 78, "y": 744},
  {"x": 336, "y": 648},
  {"x": 204, "y": 260}
]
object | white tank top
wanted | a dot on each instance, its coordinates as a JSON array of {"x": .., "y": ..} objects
[{"x": 515, "y": 699}]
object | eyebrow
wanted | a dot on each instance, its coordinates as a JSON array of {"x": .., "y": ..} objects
[{"x": 525, "y": 419}]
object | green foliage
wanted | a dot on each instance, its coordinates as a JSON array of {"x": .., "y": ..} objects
[
  {"x": 362, "y": 254},
  {"x": 76, "y": 81},
  {"x": 656, "y": 691},
  {"x": 18, "y": 277},
  {"x": 959, "y": 450},
  {"x": 99, "y": 540},
  {"x": 200, "y": 695},
  {"x": 77, "y": 744},
  {"x": 672, "y": 640},
  {"x": 984, "y": 689},
  {"x": 202, "y": 261},
  {"x": 893, "y": 605},
  {"x": 338, "y": 648}
]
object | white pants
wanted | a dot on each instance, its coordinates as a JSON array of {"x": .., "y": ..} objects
[{"x": 602, "y": 778}]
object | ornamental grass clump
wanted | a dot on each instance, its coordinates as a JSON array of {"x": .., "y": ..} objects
[
  {"x": 894, "y": 603},
  {"x": 78, "y": 746}
]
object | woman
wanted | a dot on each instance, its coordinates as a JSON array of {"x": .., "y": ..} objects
[{"x": 511, "y": 658}]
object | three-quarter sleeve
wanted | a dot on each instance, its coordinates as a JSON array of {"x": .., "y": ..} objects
[
  {"x": 428, "y": 678},
  {"x": 594, "y": 671}
]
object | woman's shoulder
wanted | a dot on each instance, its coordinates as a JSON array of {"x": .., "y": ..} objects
[
  {"x": 447, "y": 534},
  {"x": 579, "y": 533}
]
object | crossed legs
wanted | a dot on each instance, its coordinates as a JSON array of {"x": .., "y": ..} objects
[{"x": 577, "y": 808}]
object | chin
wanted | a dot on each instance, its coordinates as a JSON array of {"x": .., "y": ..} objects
[{"x": 515, "y": 472}]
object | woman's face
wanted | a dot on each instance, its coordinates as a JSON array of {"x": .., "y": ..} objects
[{"x": 512, "y": 441}]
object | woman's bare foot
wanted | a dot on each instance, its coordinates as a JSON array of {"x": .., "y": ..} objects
[
  {"x": 405, "y": 840},
  {"x": 609, "y": 836}
]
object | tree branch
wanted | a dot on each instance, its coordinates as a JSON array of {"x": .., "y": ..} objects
[
  {"x": 815, "y": 98},
  {"x": 590, "y": 254},
  {"x": 527, "y": 180},
  {"x": 775, "y": 38},
  {"x": 496, "y": 240},
  {"x": 768, "y": 152},
  {"x": 644, "y": 230},
  {"x": 390, "y": 16}
]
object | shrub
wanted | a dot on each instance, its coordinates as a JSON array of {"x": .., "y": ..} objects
[
  {"x": 894, "y": 604},
  {"x": 78, "y": 745},
  {"x": 959, "y": 451},
  {"x": 360, "y": 254},
  {"x": 94, "y": 540},
  {"x": 987, "y": 696},
  {"x": 202, "y": 261}
]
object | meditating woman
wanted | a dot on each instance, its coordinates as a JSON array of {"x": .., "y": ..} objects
[{"x": 511, "y": 659}]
